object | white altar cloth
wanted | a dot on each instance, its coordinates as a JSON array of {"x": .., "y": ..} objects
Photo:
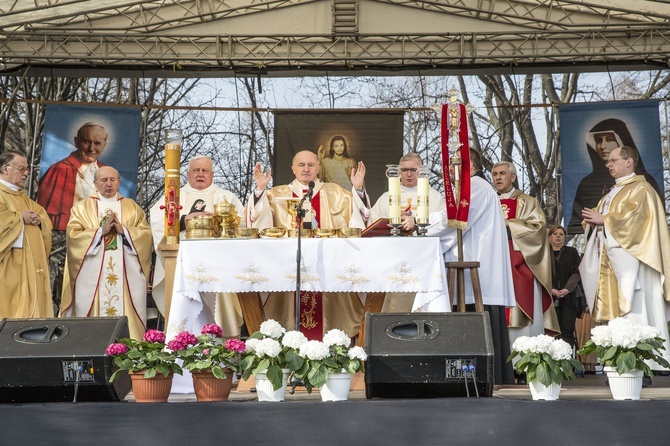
[{"x": 362, "y": 265}]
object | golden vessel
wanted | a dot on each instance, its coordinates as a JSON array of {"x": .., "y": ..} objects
[
  {"x": 227, "y": 219},
  {"x": 200, "y": 227},
  {"x": 273, "y": 232},
  {"x": 349, "y": 232}
]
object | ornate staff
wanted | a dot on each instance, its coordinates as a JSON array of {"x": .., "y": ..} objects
[{"x": 455, "y": 138}]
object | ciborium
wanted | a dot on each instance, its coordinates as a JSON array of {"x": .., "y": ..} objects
[{"x": 227, "y": 218}]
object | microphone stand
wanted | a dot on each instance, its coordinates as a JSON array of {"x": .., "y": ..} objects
[{"x": 300, "y": 216}]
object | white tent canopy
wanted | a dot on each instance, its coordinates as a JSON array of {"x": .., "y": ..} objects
[{"x": 302, "y": 37}]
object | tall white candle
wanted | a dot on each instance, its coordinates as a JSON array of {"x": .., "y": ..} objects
[
  {"x": 422, "y": 193},
  {"x": 394, "y": 199}
]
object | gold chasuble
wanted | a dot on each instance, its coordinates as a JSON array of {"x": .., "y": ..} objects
[
  {"x": 526, "y": 223},
  {"x": 24, "y": 258},
  {"x": 332, "y": 207},
  {"x": 634, "y": 221},
  {"x": 107, "y": 276}
]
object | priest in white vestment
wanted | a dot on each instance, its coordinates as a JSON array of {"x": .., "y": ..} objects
[
  {"x": 409, "y": 165},
  {"x": 331, "y": 207},
  {"x": 626, "y": 265},
  {"x": 484, "y": 241},
  {"x": 197, "y": 198},
  {"x": 108, "y": 256}
]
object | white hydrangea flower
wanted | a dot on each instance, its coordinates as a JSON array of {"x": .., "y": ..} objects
[
  {"x": 602, "y": 336},
  {"x": 336, "y": 337},
  {"x": 272, "y": 328},
  {"x": 542, "y": 343},
  {"x": 315, "y": 350},
  {"x": 357, "y": 353},
  {"x": 268, "y": 347},
  {"x": 560, "y": 350},
  {"x": 294, "y": 339},
  {"x": 251, "y": 344},
  {"x": 522, "y": 344}
]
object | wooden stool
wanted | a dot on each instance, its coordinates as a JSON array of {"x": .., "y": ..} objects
[{"x": 456, "y": 283}]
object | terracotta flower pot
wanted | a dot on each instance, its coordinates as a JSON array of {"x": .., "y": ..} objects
[
  {"x": 151, "y": 390},
  {"x": 210, "y": 388}
]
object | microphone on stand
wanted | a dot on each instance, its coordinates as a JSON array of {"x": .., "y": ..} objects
[{"x": 310, "y": 191}]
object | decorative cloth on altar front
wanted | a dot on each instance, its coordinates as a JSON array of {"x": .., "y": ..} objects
[{"x": 403, "y": 264}]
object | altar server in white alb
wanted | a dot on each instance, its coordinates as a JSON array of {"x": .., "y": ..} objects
[
  {"x": 108, "y": 256},
  {"x": 197, "y": 198},
  {"x": 484, "y": 241},
  {"x": 626, "y": 265}
]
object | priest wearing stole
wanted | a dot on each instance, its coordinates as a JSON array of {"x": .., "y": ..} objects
[
  {"x": 626, "y": 265},
  {"x": 108, "y": 256},
  {"x": 331, "y": 207},
  {"x": 530, "y": 254},
  {"x": 196, "y": 198},
  {"x": 409, "y": 166},
  {"x": 25, "y": 243}
]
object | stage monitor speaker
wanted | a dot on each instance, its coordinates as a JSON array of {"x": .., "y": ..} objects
[
  {"x": 44, "y": 360},
  {"x": 428, "y": 355}
]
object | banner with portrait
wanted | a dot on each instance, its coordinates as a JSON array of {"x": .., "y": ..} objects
[
  {"x": 123, "y": 142},
  {"x": 341, "y": 139},
  {"x": 77, "y": 136},
  {"x": 589, "y": 132}
]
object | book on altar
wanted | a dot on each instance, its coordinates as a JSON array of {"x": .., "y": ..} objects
[{"x": 381, "y": 228}]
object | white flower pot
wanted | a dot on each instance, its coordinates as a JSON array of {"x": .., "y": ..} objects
[
  {"x": 627, "y": 386},
  {"x": 337, "y": 387},
  {"x": 265, "y": 391},
  {"x": 541, "y": 392}
]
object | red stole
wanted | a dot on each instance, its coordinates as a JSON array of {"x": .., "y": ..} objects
[
  {"x": 311, "y": 302},
  {"x": 522, "y": 276}
]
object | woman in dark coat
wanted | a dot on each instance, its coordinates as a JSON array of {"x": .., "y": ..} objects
[{"x": 566, "y": 290}]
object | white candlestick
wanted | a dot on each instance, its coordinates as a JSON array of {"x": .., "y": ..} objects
[
  {"x": 422, "y": 197},
  {"x": 394, "y": 199}
]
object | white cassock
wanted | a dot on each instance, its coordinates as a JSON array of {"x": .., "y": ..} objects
[
  {"x": 402, "y": 302},
  {"x": 224, "y": 307},
  {"x": 484, "y": 241}
]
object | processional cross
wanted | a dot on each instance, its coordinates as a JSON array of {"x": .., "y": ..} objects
[{"x": 456, "y": 153}]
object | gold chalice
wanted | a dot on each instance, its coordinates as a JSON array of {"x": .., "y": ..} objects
[{"x": 292, "y": 207}]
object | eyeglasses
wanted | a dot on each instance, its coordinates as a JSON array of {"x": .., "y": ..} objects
[
  {"x": 408, "y": 169},
  {"x": 20, "y": 169},
  {"x": 613, "y": 160}
]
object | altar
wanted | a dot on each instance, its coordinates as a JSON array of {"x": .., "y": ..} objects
[{"x": 361, "y": 265}]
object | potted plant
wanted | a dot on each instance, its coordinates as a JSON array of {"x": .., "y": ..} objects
[
  {"x": 546, "y": 362},
  {"x": 329, "y": 364},
  {"x": 271, "y": 354},
  {"x": 148, "y": 364},
  {"x": 210, "y": 359},
  {"x": 624, "y": 349}
]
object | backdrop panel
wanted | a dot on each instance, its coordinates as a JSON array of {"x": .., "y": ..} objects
[
  {"x": 123, "y": 143},
  {"x": 588, "y": 133},
  {"x": 374, "y": 137}
]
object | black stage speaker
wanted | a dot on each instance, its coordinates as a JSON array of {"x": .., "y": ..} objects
[
  {"x": 40, "y": 358},
  {"x": 428, "y": 355}
]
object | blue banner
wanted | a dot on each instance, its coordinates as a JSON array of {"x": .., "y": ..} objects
[{"x": 588, "y": 133}]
